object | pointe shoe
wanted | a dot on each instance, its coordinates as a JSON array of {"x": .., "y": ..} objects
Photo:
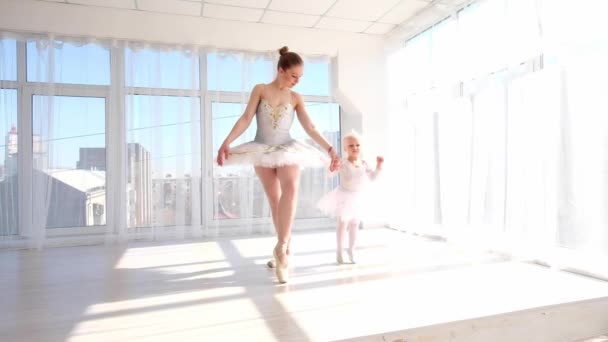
[
  {"x": 272, "y": 263},
  {"x": 339, "y": 258},
  {"x": 280, "y": 270},
  {"x": 351, "y": 255}
]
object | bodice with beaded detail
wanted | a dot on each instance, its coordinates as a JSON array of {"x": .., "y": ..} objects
[
  {"x": 273, "y": 146},
  {"x": 273, "y": 123}
]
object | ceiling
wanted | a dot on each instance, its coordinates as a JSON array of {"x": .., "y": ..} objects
[{"x": 375, "y": 17}]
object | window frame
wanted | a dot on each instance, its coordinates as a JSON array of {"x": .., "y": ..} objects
[{"x": 34, "y": 89}]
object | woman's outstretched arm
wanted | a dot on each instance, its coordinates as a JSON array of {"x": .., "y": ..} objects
[
  {"x": 241, "y": 124},
  {"x": 312, "y": 131}
]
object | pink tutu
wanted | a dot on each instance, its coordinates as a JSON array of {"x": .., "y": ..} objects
[{"x": 348, "y": 205}]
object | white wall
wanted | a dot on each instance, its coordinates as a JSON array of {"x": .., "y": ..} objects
[{"x": 360, "y": 57}]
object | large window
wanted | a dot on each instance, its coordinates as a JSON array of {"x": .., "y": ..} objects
[
  {"x": 316, "y": 79},
  {"x": 161, "y": 68},
  {"x": 9, "y": 157},
  {"x": 69, "y": 159},
  {"x": 163, "y": 144},
  {"x": 9, "y": 163},
  {"x": 87, "y": 64},
  {"x": 65, "y": 96},
  {"x": 238, "y": 72},
  {"x": 162, "y": 152},
  {"x": 8, "y": 60},
  {"x": 120, "y": 138}
]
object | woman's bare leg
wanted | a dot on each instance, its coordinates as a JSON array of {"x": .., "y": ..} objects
[
  {"x": 272, "y": 188},
  {"x": 289, "y": 179},
  {"x": 270, "y": 182}
]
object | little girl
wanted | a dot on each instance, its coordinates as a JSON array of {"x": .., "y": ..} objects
[{"x": 348, "y": 201}]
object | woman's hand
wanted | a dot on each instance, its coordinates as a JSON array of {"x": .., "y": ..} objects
[
  {"x": 222, "y": 154},
  {"x": 335, "y": 161},
  {"x": 379, "y": 162}
]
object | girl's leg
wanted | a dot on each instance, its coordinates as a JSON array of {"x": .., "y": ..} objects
[
  {"x": 353, "y": 228},
  {"x": 340, "y": 229}
]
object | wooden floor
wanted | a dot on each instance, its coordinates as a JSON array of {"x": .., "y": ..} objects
[{"x": 220, "y": 290}]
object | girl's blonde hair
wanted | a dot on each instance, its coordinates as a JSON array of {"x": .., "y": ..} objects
[{"x": 351, "y": 134}]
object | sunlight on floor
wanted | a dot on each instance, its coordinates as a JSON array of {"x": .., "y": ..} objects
[{"x": 220, "y": 289}]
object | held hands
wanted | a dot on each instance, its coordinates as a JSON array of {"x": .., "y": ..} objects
[
  {"x": 335, "y": 161},
  {"x": 379, "y": 162},
  {"x": 222, "y": 154}
]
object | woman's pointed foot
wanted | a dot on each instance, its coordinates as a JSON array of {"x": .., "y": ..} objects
[
  {"x": 351, "y": 255},
  {"x": 272, "y": 263},
  {"x": 339, "y": 257},
  {"x": 280, "y": 260}
]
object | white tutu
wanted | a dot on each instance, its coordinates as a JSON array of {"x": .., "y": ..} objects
[
  {"x": 348, "y": 205},
  {"x": 293, "y": 152},
  {"x": 357, "y": 197}
]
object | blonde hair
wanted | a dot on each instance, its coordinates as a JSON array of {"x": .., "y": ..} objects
[
  {"x": 355, "y": 135},
  {"x": 351, "y": 134}
]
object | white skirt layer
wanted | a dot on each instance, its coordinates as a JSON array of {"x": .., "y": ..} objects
[
  {"x": 292, "y": 152},
  {"x": 348, "y": 205}
]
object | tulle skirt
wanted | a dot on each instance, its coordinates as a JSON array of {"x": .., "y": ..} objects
[
  {"x": 293, "y": 152},
  {"x": 348, "y": 205}
]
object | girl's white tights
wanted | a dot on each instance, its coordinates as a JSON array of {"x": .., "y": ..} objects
[{"x": 342, "y": 226}]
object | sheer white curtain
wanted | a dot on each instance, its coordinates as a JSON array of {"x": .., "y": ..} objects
[
  {"x": 160, "y": 157},
  {"x": 9, "y": 175},
  {"x": 578, "y": 53},
  {"x": 115, "y": 140},
  {"x": 114, "y": 149},
  {"x": 517, "y": 156},
  {"x": 66, "y": 96},
  {"x": 53, "y": 101}
]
